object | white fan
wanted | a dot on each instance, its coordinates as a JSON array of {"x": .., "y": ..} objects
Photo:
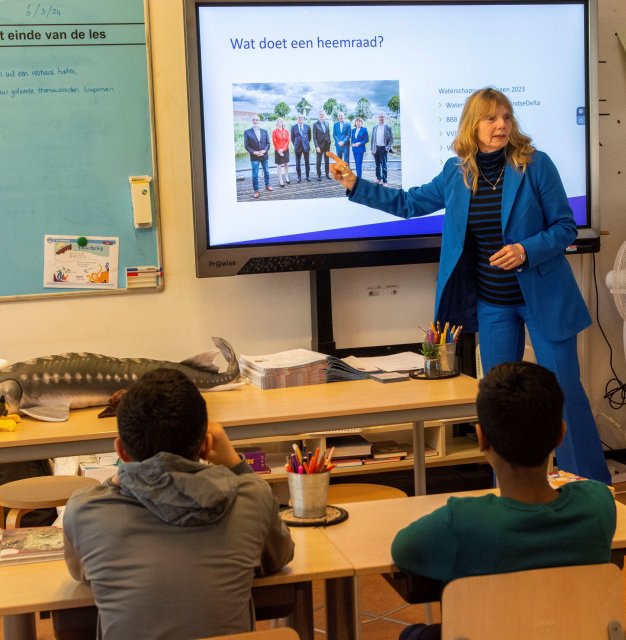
[
  {"x": 612, "y": 434},
  {"x": 616, "y": 282}
]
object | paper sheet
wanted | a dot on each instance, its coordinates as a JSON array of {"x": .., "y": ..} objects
[
  {"x": 405, "y": 361},
  {"x": 80, "y": 262}
]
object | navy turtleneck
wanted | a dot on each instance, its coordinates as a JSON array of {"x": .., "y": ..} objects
[{"x": 494, "y": 285}]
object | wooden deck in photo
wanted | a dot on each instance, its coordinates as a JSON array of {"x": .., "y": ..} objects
[{"x": 304, "y": 190}]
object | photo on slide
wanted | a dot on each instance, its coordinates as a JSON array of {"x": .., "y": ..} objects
[{"x": 274, "y": 108}]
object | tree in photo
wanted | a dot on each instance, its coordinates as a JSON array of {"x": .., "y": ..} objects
[
  {"x": 282, "y": 109},
  {"x": 363, "y": 109},
  {"x": 394, "y": 105},
  {"x": 303, "y": 107},
  {"x": 332, "y": 107}
]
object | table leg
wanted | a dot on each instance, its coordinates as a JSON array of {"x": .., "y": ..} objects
[
  {"x": 20, "y": 626},
  {"x": 342, "y": 611},
  {"x": 419, "y": 462},
  {"x": 301, "y": 618}
]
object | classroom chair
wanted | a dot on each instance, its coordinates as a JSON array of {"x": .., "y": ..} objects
[
  {"x": 577, "y": 603},
  {"x": 279, "y": 633},
  {"x": 24, "y": 496}
]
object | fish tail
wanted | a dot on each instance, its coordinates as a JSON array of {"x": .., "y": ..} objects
[{"x": 227, "y": 351}]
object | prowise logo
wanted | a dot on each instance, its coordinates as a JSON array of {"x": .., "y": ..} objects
[{"x": 218, "y": 264}]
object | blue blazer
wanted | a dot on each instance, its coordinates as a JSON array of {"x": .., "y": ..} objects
[
  {"x": 341, "y": 133},
  {"x": 251, "y": 143},
  {"x": 363, "y": 138},
  {"x": 535, "y": 213}
]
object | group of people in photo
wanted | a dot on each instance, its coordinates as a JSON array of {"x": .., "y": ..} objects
[{"x": 303, "y": 137}]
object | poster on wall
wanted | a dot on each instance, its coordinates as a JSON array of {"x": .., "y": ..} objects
[{"x": 80, "y": 262}]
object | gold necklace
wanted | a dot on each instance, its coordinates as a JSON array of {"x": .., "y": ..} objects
[{"x": 493, "y": 185}]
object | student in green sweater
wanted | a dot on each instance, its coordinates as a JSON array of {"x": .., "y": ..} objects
[{"x": 530, "y": 525}]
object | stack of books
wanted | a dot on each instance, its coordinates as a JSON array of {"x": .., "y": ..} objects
[
  {"x": 349, "y": 450},
  {"x": 387, "y": 451},
  {"x": 292, "y": 368}
]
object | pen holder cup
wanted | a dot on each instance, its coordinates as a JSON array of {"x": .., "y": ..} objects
[
  {"x": 309, "y": 494},
  {"x": 447, "y": 357}
]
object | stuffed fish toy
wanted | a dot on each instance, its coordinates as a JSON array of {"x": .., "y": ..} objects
[{"x": 47, "y": 388}]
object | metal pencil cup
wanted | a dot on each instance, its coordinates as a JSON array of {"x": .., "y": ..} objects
[
  {"x": 447, "y": 357},
  {"x": 309, "y": 494}
]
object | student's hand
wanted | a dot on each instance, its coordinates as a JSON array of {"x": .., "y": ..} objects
[
  {"x": 317, "y": 149},
  {"x": 221, "y": 450},
  {"x": 341, "y": 172}
]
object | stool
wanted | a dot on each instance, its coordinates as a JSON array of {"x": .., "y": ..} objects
[{"x": 23, "y": 496}]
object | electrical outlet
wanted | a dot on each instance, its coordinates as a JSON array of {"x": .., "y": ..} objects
[
  {"x": 373, "y": 291},
  {"x": 391, "y": 290}
]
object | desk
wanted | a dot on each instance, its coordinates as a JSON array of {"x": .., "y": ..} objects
[
  {"x": 250, "y": 413},
  {"x": 44, "y": 586},
  {"x": 370, "y": 552}
]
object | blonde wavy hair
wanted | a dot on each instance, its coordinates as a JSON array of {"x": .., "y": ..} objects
[{"x": 478, "y": 106}]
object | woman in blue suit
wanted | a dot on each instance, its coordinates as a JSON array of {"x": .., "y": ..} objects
[
  {"x": 359, "y": 140},
  {"x": 506, "y": 226}
]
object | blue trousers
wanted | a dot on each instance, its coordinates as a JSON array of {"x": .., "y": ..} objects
[
  {"x": 255, "y": 172},
  {"x": 502, "y": 336},
  {"x": 343, "y": 153}
]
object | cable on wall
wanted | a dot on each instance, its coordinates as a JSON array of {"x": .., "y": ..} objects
[{"x": 615, "y": 389}]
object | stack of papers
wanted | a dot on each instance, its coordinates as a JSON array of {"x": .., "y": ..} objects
[
  {"x": 292, "y": 368},
  {"x": 353, "y": 368},
  {"x": 298, "y": 367}
]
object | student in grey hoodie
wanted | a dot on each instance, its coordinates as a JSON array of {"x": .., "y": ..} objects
[{"x": 170, "y": 545}]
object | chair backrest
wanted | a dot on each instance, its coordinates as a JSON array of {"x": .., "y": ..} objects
[
  {"x": 573, "y": 603},
  {"x": 279, "y": 633}
]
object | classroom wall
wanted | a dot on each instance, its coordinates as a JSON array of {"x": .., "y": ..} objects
[
  {"x": 612, "y": 94},
  {"x": 266, "y": 313}
]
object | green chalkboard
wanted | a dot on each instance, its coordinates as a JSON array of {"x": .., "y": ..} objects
[{"x": 75, "y": 124}]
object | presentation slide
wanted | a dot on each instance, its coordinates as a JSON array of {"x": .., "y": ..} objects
[{"x": 414, "y": 64}]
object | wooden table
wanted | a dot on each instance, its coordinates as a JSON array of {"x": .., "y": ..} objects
[
  {"x": 364, "y": 539},
  {"x": 339, "y": 554},
  {"x": 249, "y": 413},
  {"x": 44, "y": 586}
]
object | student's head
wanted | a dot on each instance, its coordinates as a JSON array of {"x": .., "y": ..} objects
[
  {"x": 340, "y": 116},
  {"x": 381, "y": 118},
  {"x": 321, "y": 115},
  {"x": 520, "y": 412},
  {"x": 280, "y": 123},
  {"x": 255, "y": 120},
  {"x": 300, "y": 118},
  {"x": 358, "y": 122},
  {"x": 162, "y": 411}
]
